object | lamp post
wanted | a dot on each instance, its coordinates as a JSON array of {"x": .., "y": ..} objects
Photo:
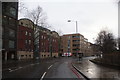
[{"x": 76, "y": 25}]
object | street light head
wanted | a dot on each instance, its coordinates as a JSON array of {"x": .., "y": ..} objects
[{"x": 69, "y": 20}]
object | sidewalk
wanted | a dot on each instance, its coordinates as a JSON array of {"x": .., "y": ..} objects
[{"x": 93, "y": 71}]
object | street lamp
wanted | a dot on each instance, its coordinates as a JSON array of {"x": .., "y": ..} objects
[{"x": 76, "y": 24}]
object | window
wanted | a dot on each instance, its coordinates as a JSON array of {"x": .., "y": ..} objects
[
  {"x": 25, "y": 41},
  {"x": 5, "y": 20},
  {"x": 29, "y": 41},
  {"x": 21, "y": 23},
  {"x": 29, "y": 55},
  {"x": 26, "y": 33},
  {"x": 38, "y": 46},
  {"x": 42, "y": 36},
  {"x": 76, "y": 40},
  {"x": 13, "y": 11},
  {"x": 22, "y": 55},
  {"x": 11, "y": 33},
  {"x": 76, "y": 36},
  {"x": 12, "y": 22},
  {"x": 11, "y": 44},
  {"x": 69, "y": 37},
  {"x": 29, "y": 34}
]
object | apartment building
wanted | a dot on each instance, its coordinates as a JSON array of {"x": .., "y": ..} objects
[
  {"x": 9, "y": 30},
  {"x": 44, "y": 43},
  {"x": 36, "y": 41},
  {"x": 75, "y": 44},
  {"x": 48, "y": 43},
  {"x": 25, "y": 39}
]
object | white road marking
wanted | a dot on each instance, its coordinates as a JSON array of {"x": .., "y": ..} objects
[
  {"x": 9, "y": 69},
  {"x": 43, "y": 75},
  {"x": 13, "y": 70},
  {"x": 50, "y": 66}
]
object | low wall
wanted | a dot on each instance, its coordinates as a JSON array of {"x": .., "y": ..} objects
[
  {"x": 24, "y": 55},
  {"x": 54, "y": 54},
  {"x": 47, "y": 55},
  {"x": 44, "y": 55},
  {"x": 113, "y": 58}
]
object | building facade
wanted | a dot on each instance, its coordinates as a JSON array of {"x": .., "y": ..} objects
[
  {"x": 55, "y": 44},
  {"x": 25, "y": 39},
  {"x": 36, "y": 42},
  {"x": 48, "y": 43},
  {"x": 9, "y": 30},
  {"x": 75, "y": 44}
]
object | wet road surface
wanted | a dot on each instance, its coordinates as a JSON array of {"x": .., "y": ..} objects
[
  {"x": 63, "y": 69},
  {"x": 56, "y": 68},
  {"x": 92, "y": 70}
]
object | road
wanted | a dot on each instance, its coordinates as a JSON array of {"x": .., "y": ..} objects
[
  {"x": 55, "y": 68},
  {"x": 63, "y": 69}
]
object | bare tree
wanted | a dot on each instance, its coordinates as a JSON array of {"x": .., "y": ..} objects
[
  {"x": 22, "y": 7},
  {"x": 38, "y": 16},
  {"x": 106, "y": 42}
]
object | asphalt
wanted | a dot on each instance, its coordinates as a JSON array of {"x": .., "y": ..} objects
[
  {"x": 63, "y": 69},
  {"x": 55, "y": 68},
  {"x": 26, "y": 69}
]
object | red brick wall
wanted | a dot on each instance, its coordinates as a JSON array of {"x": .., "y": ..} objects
[
  {"x": 55, "y": 44},
  {"x": 22, "y": 37},
  {"x": 45, "y": 43}
]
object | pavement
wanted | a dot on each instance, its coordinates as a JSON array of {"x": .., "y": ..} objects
[{"x": 93, "y": 71}]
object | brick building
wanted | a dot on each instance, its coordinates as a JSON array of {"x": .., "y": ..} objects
[
  {"x": 49, "y": 44},
  {"x": 75, "y": 44},
  {"x": 36, "y": 41},
  {"x": 55, "y": 44},
  {"x": 9, "y": 30},
  {"x": 25, "y": 39},
  {"x": 44, "y": 43}
]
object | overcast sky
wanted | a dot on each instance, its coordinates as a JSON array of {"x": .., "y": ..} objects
[{"x": 92, "y": 15}]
